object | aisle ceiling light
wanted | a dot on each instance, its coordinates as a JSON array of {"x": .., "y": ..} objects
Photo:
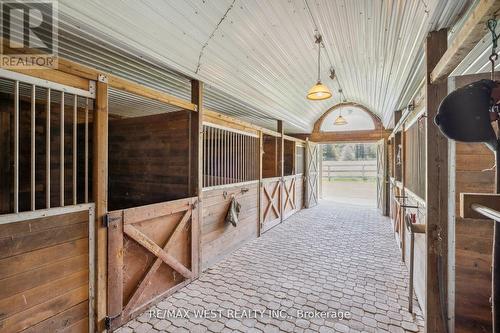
[
  {"x": 319, "y": 91},
  {"x": 340, "y": 120}
]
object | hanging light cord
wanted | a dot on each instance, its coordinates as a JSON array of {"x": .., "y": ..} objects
[
  {"x": 492, "y": 25},
  {"x": 321, "y": 43},
  {"x": 318, "y": 41}
]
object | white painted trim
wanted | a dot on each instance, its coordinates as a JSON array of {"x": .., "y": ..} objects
[
  {"x": 209, "y": 124},
  {"x": 217, "y": 187},
  {"x": 30, "y": 215},
  {"x": 45, "y": 83}
]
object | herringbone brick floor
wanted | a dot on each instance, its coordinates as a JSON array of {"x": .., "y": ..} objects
[{"x": 331, "y": 261}]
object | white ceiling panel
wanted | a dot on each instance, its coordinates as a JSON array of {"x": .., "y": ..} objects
[{"x": 258, "y": 58}]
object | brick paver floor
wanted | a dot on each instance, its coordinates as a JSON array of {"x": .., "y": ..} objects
[{"x": 321, "y": 264}]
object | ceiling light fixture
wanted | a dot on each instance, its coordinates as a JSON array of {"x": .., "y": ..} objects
[
  {"x": 340, "y": 120},
  {"x": 319, "y": 91}
]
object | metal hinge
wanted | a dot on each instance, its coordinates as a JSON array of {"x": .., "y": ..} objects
[
  {"x": 107, "y": 220},
  {"x": 108, "y": 321}
]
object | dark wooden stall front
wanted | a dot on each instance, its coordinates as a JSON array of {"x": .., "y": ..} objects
[
  {"x": 153, "y": 218},
  {"x": 47, "y": 221}
]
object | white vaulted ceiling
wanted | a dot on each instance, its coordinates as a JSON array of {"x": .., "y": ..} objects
[{"x": 258, "y": 58}]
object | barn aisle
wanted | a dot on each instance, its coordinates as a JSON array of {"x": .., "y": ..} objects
[{"x": 324, "y": 263}]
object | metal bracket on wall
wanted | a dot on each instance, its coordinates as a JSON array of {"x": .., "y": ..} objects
[{"x": 102, "y": 78}]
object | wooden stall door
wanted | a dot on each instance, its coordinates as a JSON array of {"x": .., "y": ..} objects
[
  {"x": 45, "y": 272},
  {"x": 289, "y": 204},
  {"x": 312, "y": 174},
  {"x": 150, "y": 255},
  {"x": 382, "y": 177},
  {"x": 270, "y": 203}
]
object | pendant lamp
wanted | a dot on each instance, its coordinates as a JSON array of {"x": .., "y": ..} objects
[{"x": 319, "y": 91}]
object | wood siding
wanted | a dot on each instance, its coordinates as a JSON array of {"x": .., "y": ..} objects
[
  {"x": 220, "y": 238},
  {"x": 148, "y": 159},
  {"x": 44, "y": 271},
  {"x": 473, "y": 241}
]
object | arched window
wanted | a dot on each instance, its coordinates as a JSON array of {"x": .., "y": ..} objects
[{"x": 357, "y": 120}]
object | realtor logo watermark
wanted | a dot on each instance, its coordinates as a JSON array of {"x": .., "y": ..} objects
[{"x": 29, "y": 34}]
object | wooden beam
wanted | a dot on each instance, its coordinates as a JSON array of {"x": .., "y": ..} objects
[
  {"x": 351, "y": 136},
  {"x": 141, "y": 90},
  {"x": 437, "y": 195},
  {"x": 281, "y": 167},
  {"x": 116, "y": 82},
  {"x": 196, "y": 173},
  {"x": 57, "y": 76},
  {"x": 100, "y": 192},
  {"x": 486, "y": 199},
  {"x": 466, "y": 39},
  {"x": 292, "y": 138}
]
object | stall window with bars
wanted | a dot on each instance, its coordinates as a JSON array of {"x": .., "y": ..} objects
[
  {"x": 415, "y": 159},
  {"x": 45, "y": 138},
  {"x": 229, "y": 156},
  {"x": 299, "y": 159}
]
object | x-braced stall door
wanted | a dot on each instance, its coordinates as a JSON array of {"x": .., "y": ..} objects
[
  {"x": 271, "y": 203},
  {"x": 150, "y": 255},
  {"x": 312, "y": 174},
  {"x": 382, "y": 177}
]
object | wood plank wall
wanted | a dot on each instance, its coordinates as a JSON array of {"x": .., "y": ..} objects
[
  {"x": 270, "y": 157},
  {"x": 219, "y": 238},
  {"x": 44, "y": 274},
  {"x": 289, "y": 158},
  {"x": 473, "y": 241},
  {"x": 148, "y": 159}
]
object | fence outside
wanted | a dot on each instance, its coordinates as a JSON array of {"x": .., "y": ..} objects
[{"x": 349, "y": 169}]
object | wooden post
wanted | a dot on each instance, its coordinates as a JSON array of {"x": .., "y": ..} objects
[
  {"x": 100, "y": 193},
  {"x": 402, "y": 227},
  {"x": 261, "y": 153},
  {"x": 437, "y": 194},
  {"x": 196, "y": 172},
  {"x": 281, "y": 169}
]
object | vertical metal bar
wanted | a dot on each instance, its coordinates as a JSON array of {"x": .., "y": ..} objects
[
  {"x": 242, "y": 167},
  {"x": 209, "y": 156},
  {"x": 33, "y": 105},
  {"x": 224, "y": 167},
  {"x": 75, "y": 148},
  {"x": 47, "y": 151},
  {"x": 246, "y": 160},
  {"x": 61, "y": 155},
  {"x": 231, "y": 157},
  {"x": 228, "y": 159},
  {"x": 240, "y": 155},
  {"x": 16, "y": 147},
  {"x": 219, "y": 157},
  {"x": 86, "y": 162},
  {"x": 204, "y": 154},
  {"x": 236, "y": 158}
]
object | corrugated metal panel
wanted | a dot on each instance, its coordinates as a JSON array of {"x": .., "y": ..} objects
[{"x": 260, "y": 60}]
